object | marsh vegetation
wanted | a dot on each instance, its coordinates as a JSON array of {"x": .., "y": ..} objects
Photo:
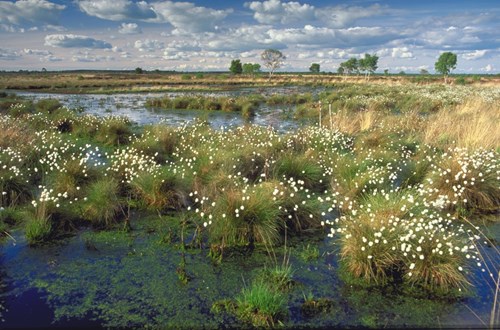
[{"x": 392, "y": 195}]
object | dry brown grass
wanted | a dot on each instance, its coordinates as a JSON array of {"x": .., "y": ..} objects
[
  {"x": 473, "y": 124},
  {"x": 352, "y": 123}
]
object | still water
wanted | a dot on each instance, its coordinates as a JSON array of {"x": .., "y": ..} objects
[{"x": 133, "y": 107}]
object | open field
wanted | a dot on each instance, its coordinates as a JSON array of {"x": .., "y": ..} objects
[
  {"x": 114, "y": 82},
  {"x": 400, "y": 180}
]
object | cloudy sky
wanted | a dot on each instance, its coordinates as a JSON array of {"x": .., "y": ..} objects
[{"x": 205, "y": 35}]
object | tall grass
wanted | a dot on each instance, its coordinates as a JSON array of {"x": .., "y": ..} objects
[
  {"x": 473, "y": 124},
  {"x": 102, "y": 206}
]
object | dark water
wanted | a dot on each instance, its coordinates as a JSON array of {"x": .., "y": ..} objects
[
  {"x": 132, "y": 105},
  {"x": 118, "y": 279}
]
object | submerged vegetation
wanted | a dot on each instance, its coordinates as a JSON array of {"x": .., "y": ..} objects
[{"x": 396, "y": 177}]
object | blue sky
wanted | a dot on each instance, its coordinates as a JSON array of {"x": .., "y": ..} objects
[{"x": 205, "y": 35}]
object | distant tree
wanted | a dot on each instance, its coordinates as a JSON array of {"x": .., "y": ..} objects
[
  {"x": 446, "y": 62},
  {"x": 273, "y": 59},
  {"x": 236, "y": 67},
  {"x": 139, "y": 70},
  {"x": 349, "y": 66},
  {"x": 44, "y": 70},
  {"x": 251, "y": 68},
  {"x": 402, "y": 73},
  {"x": 368, "y": 64},
  {"x": 340, "y": 69},
  {"x": 424, "y": 72},
  {"x": 314, "y": 68},
  {"x": 386, "y": 72}
]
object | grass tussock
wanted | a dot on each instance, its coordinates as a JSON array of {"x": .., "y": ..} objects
[{"x": 102, "y": 206}]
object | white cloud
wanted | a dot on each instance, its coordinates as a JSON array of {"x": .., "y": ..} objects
[
  {"x": 87, "y": 57},
  {"x": 177, "y": 56},
  {"x": 488, "y": 68},
  {"x": 310, "y": 36},
  {"x": 129, "y": 28},
  {"x": 244, "y": 38},
  {"x": 74, "y": 41},
  {"x": 39, "y": 52},
  {"x": 248, "y": 54},
  {"x": 30, "y": 12},
  {"x": 148, "y": 45},
  {"x": 117, "y": 10},
  {"x": 401, "y": 52},
  {"x": 275, "y": 11},
  {"x": 51, "y": 58},
  {"x": 8, "y": 54},
  {"x": 477, "y": 54},
  {"x": 183, "y": 45},
  {"x": 186, "y": 17},
  {"x": 343, "y": 16}
]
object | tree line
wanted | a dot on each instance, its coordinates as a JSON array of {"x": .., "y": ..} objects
[{"x": 273, "y": 59}]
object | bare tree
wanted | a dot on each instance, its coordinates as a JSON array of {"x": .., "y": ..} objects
[{"x": 273, "y": 59}]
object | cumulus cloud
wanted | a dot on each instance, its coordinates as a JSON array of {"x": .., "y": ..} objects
[
  {"x": 488, "y": 68},
  {"x": 30, "y": 12},
  {"x": 74, "y": 41},
  {"x": 244, "y": 38},
  {"x": 148, "y": 45},
  {"x": 311, "y": 36},
  {"x": 343, "y": 16},
  {"x": 118, "y": 10},
  {"x": 477, "y": 54},
  {"x": 183, "y": 45},
  {"x": 275, "y": 11},
  {"x": 8, "y": 54},
  {"x": 401, "y": 52},
  {"x": 466, "y": 38},
  {"x": 129, "y": 28},
  {"x": 177, "y": 56},
  {"x": 186, "y": 17}
]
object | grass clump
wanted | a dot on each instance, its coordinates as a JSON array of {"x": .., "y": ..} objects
[
  {"x": 261, "y": 306},
  {"x": 309, "y": 253},
  {"x": 114, "y": 131},
  {"x": 38, "y": 230},
  {"x": 246, "y": 217},
  {"x": 465, "y": 180},
  {"x": 102, "y": 205},
  {"x": 160, "y": 191}
]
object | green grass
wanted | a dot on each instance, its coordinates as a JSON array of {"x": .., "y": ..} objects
[
  {"x": 102, "y": 206},
  {"x": 261, "y": 306},
  {"x": 38, "y": 230}
]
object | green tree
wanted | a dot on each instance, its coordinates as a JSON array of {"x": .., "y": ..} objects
[
  {"x": 314, "y": 68},
  {"x": 236, "y": 67},
  {"x": 424, "y": 72},
  {"x": 251, "y": 68},
  {"x": 273, "y": 59},
  {"x": 349, "y": 66},
  {"x": 139, "y": 70},
  {"x": 446, "y": 62},
  {"x": 386, "y": 72},
  {"x": 368, "y": 64}
]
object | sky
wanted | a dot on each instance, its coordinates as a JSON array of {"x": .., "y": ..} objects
[{"x": 206, "y": 35}]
